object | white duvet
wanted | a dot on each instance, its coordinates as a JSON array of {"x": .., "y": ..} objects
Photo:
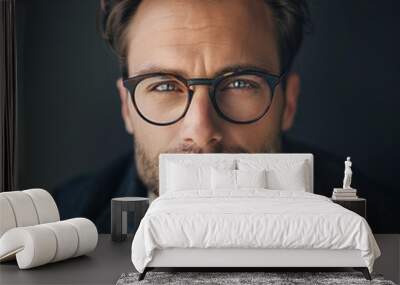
[{"x": 251, "y": 218}]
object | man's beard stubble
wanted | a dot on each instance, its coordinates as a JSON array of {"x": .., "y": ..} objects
[{"x": 147, "y": 167}]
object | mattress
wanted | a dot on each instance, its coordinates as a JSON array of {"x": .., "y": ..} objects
[{"x": 250, "y": 218}]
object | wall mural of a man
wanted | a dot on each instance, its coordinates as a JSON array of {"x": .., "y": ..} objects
[{"x": 200, "y": 77}]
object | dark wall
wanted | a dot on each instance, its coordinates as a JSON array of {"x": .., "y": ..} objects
[{"x": 69, "y": 117}]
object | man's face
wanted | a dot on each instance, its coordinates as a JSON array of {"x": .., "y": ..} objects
[{"x": 198, "y": 39}]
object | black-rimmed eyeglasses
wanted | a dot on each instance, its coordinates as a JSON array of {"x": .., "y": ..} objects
[{"x": 242, "y": 96}]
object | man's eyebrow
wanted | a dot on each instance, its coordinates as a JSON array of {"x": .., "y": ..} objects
[
  {"x": 225, "y": 69},
  {"x": 235, "y": 67}
]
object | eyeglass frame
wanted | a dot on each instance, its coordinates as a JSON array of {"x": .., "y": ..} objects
[{"x": 131, "y": 83}]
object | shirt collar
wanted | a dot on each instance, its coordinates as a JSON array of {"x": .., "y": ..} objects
[{"x": 131, "y": 184}]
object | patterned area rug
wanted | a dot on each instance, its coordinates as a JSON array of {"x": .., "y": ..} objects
[{"x": 225, "y": 278}]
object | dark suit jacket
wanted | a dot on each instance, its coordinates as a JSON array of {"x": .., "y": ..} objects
[{"x": 89, "y": 196}]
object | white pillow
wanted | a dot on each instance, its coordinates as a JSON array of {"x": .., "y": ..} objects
[
  {"x": 184, "y": 174},
  {"x": 289, "y": 179},
  {"x": 281, "y": 174},
  {"x": 235, "y": 179},
  {"x": 223, "y": 179},
  {"x": 251, "y": 178},
  {"x": 186, "y": 177}
]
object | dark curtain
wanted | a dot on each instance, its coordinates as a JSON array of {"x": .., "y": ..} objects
[{"x": 7, "y": 95}]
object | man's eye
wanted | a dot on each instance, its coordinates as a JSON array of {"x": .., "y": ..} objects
[
  {"x": 240, "y": 84},
  {"x": 165, "y": 87}
]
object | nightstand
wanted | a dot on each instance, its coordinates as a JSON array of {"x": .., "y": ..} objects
[
  {"x": 357, "y": 205},
  {"x": 126, "y": 210}
]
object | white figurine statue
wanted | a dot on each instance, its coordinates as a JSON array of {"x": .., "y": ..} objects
[{"x": 347, "y": 174}]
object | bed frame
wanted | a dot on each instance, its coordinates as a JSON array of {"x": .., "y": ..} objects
[{"x": 248, "y": 259}]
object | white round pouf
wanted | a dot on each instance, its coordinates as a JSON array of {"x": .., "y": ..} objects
[
  {"x": 23, "y": 208},
  {"x": 7, "y": 218},
  {"x": 87, "y": 234},
  {"x": 33, "y": 246},
  {"x": 31, "y": 230},
  {"x": 40, "y": 244},
  {"x": 67, "y": 239},
  {"x": 45, "y": 205}
]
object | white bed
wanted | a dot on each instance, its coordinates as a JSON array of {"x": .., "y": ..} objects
[{"x": 201, "y": 226}]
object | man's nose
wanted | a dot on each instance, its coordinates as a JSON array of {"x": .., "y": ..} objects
[{"x": 200, "y": 124}]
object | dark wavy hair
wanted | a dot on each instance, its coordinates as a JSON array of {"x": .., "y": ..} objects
[{"x": 291, "y": 18}]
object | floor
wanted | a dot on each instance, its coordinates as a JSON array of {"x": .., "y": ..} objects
[
  {"x": 106, "y": 264},
  {"x": 389, "y": 262}
]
